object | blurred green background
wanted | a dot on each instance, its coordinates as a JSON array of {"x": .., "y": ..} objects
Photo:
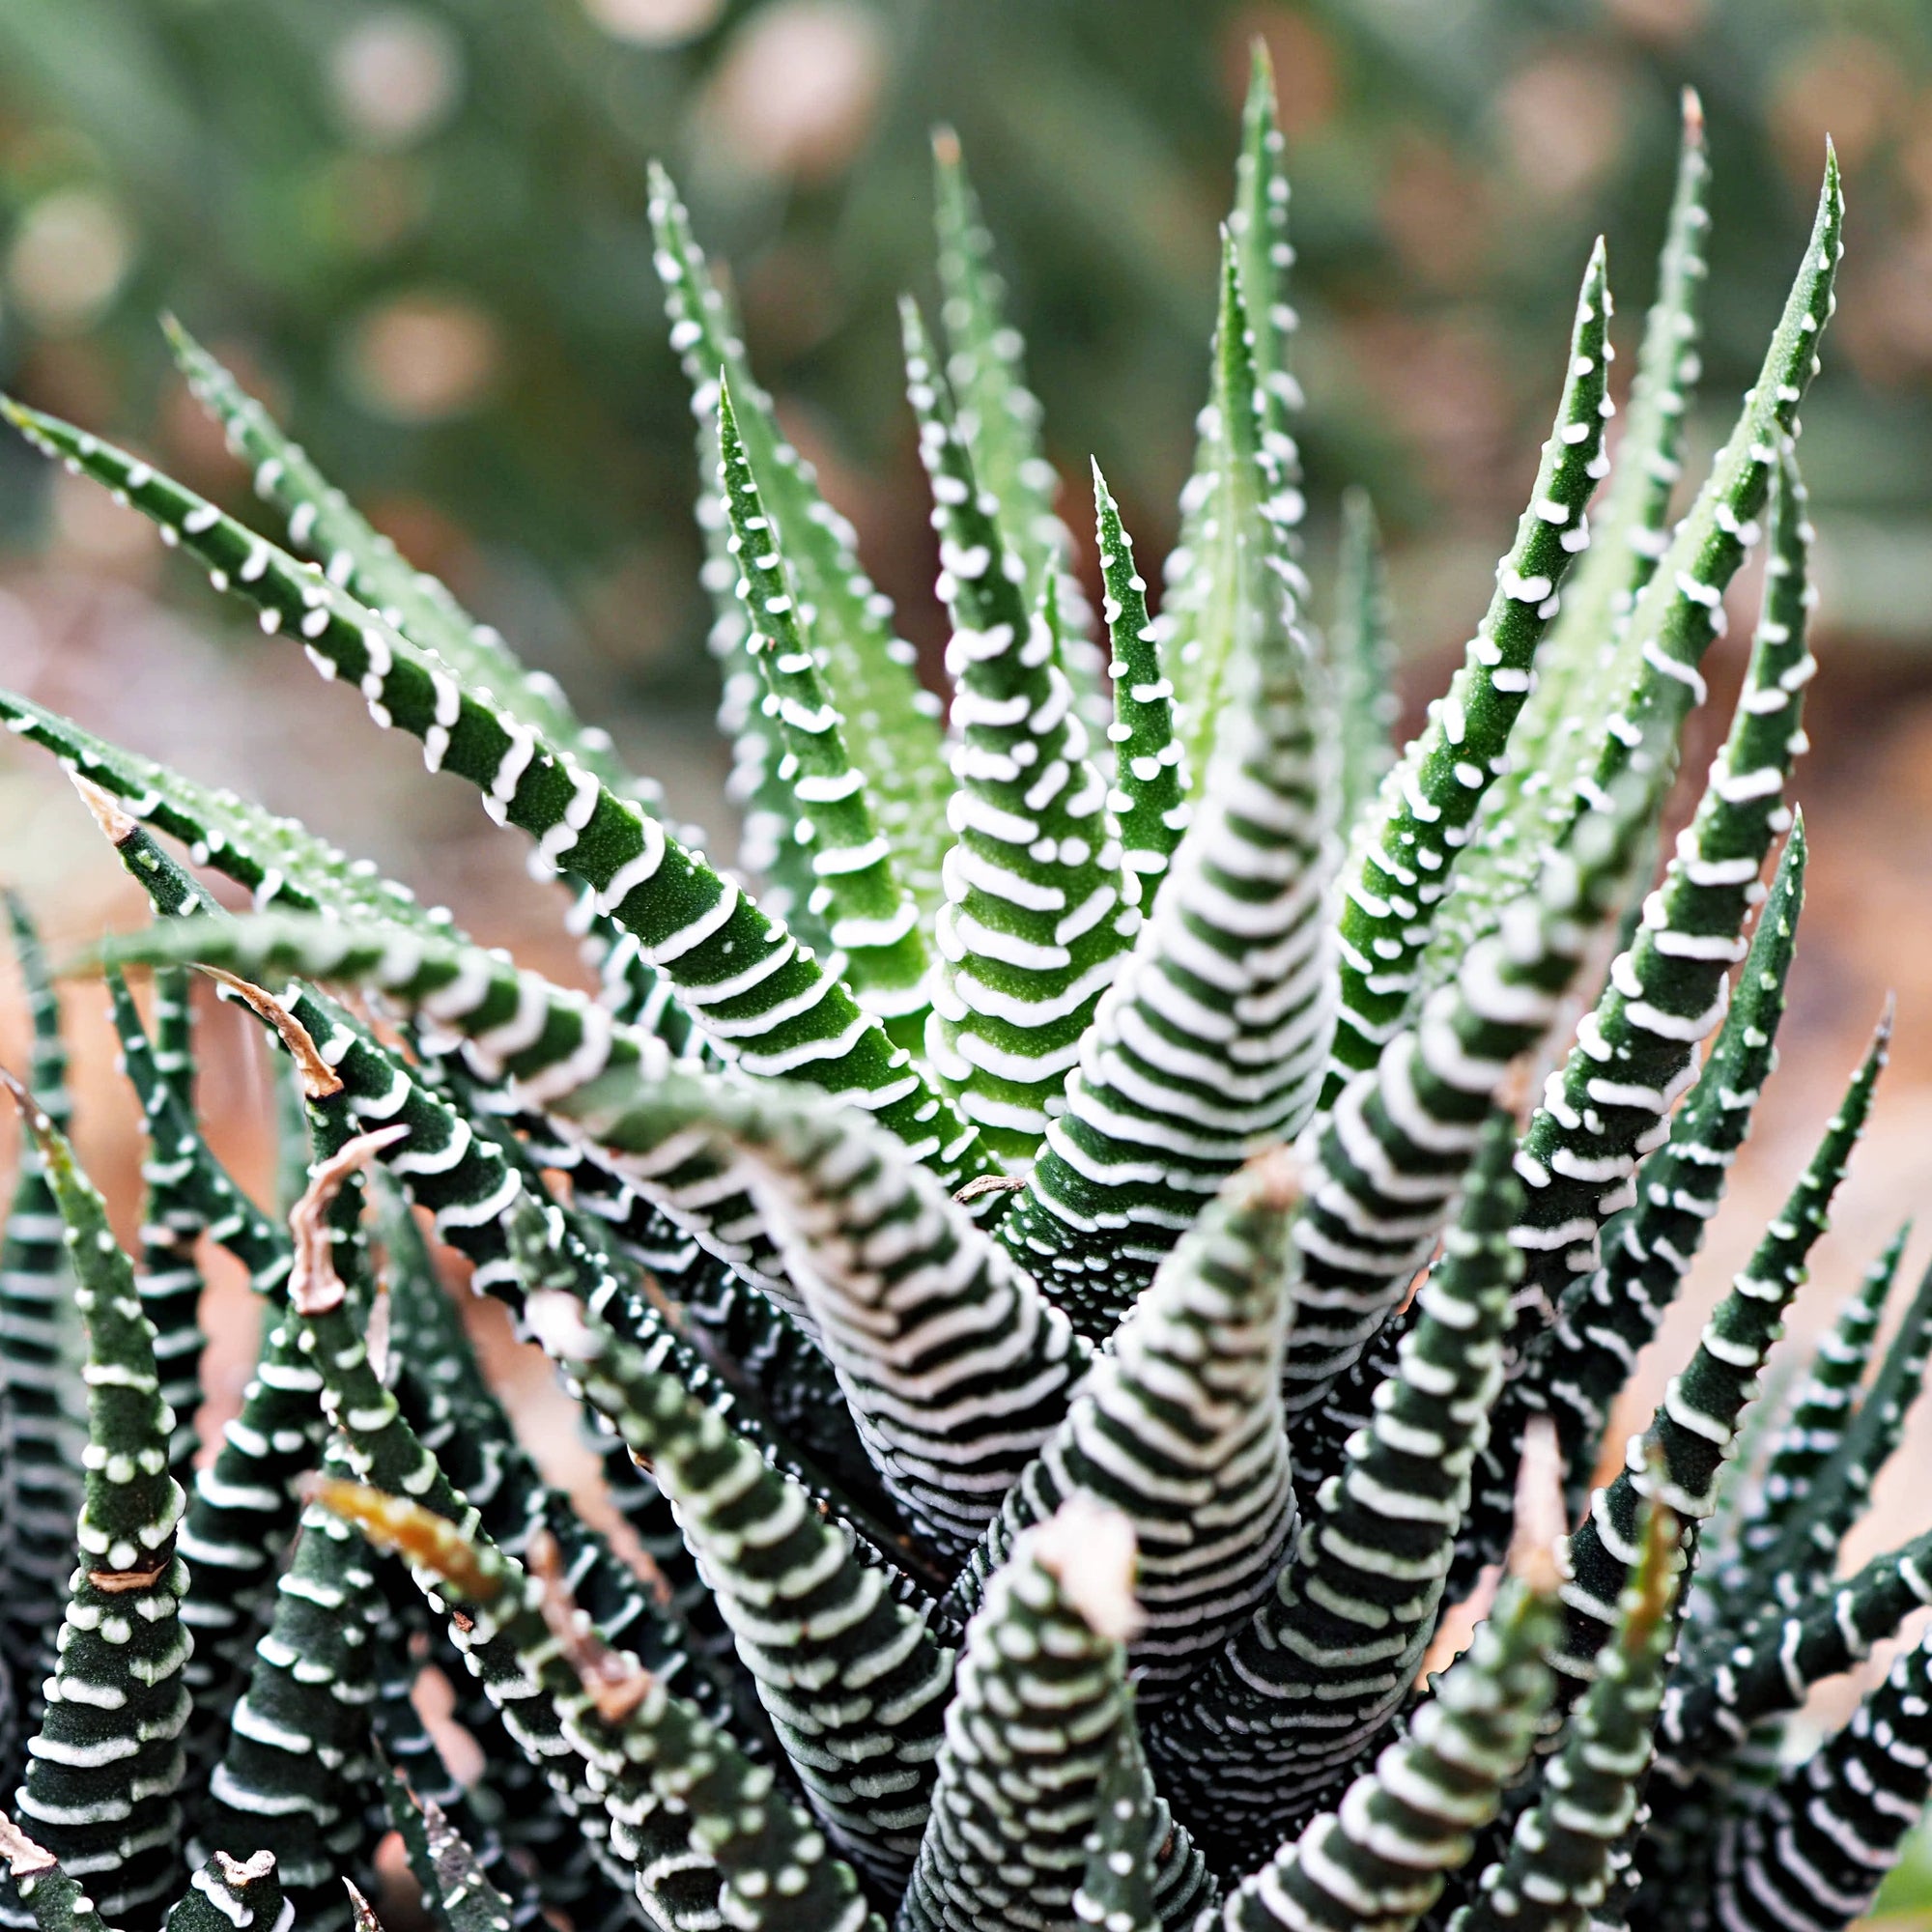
[{"x": 418, "y": 229}]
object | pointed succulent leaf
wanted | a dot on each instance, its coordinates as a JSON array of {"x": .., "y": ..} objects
[
  {"x": 1403, "y": 854},
  {"x": 1799, "y": 1560},
  {"x": 1035, "y": 919},
  {"x": 1331, "y": 1653},
  {"x": 1681, "y": 610},
  {"x": 1036, "y": 1723},
  {"x": 783, "y": 1014},
  {"x": 1180, "y": 1427},
  {"x": 1385, "y": 1164},
  {"x": 1695, "y": 1426},
  {"x": 1566, "y": 1850},
  {"x": 1240, "y": 593},
  {"x": 1380, "y": 1857},
  {"x": 1574, "y": 1370},
  {"x": 767, "y": 811},
  {"x": 1117, "y": 1890},
  {"x": 1000, "y": 416},
  {"x": 1150, "y": 797},
  {"x": 1361, "y": 662},
  {"x": 552, "y": 1048},
  {"x": 321, "y": 523},
  {"x": 173, "y": 1216},
  {"x": 1258, "y": 222},
  {"x": 1810, "y": 1434},
  {"x": 457, "y": 1891},
  {"x": 1631, "y": 521},
  {"x": 854, "y": 1683},
  {"x": 1638, "y": 1048},
  {"x": 1552, "y": 739},
  {"x": 1773, "y": 1667},
  {"x": 276, "y": 859},
  {"x": 892, "y": 726},
  {"x": 101, "y": 1774},
  {"x": 871, "y": 921},
  {"x": 1227, "y": 471},
  {"x": 1811, "y": 1856},
  {"x": 1209, "y": 1043},
  {"x": 776, "y": 1869}
]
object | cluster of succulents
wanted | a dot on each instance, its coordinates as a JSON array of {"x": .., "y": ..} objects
[{"x": 1069, "y": 1276}]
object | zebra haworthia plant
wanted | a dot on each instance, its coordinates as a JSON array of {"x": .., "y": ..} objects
[{"x": 981, "y": 1227}]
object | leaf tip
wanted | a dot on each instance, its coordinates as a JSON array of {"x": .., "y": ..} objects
[
  {"x": 117, "y": 826},
  {"x": 1540, "y": 1524},
  {"x": 1088, "y": 1548}
]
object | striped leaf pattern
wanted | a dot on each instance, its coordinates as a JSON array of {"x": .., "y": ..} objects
[
  {"x": 1149, "y": 795},
  {"x": 813, "y": 1623},
  {"x": 1404, "y": 853},
  {"x": 783, "y": 1014},
  {"x": 290, "y": 1781},
  {"x": 40, "y": 1488},
  {"x": 1179, "y": 1427},
  {"x": 1035, "y": 918},
  {"x": 1032, "y": 1736},
  {"x": 102, "y": 1772},
  {"x": 891, "y": 725},
  {"x": 1813, "y": 1854},
  {"x": 1573, "y": 1369},
  {"x": 1202, "y": 617},
  {"x": 1208, "y": 1043},
  {"x": 871, "y": 921},
  {"x": 1568, "y": 1850},
  {"x": 1000, "y": 416},
  {"x": 1030, "y": 1508},
  {"x": 1579, "y": 660},
  {"x": 1380, "y": 1857},
  {"x": 1329, "y": 1654},
  {"x": 1695, "y": 1426},
  {"x": 1666, "y": 990}
]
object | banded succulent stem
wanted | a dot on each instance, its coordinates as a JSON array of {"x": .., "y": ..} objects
[
  {"x": 1380, "y": 1857},
  {"x": 40, "y": 1488},
  {"x": 1039, "y": 1709}
]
